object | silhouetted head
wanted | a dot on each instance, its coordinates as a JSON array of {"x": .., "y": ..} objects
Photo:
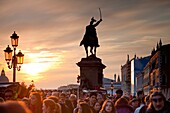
[
  {"x": 9, "y": 94},
  {"x": 92, "y": 21},
  {"x": 157, "y": 100},
  {"x": 93, "y": 98},
  {"x": 49, "y": 106},
  {"x": 140, "y": 94},
  {"x": 121, "y": 101},
  {"x": 84, "y": 108},
  {"x": 14, "y": 107},
  {"x": 108, "y": 107},
  {"x": 119, "y": 93},
  {"x": 35, "y": 98}
]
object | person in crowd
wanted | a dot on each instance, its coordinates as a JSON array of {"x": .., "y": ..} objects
[
  {"x": 9, "y": 95},
  {"x": 73, "y": 100},
  {"x": 77, "y": 107},
  {"x": 49, "y": 106},
  {"x": 26, "y": 101},
  {"x": 55, "y": 93},
  {"x": 100, "y": 98},
  {"x": 96, "y": 107},
  {"x": 1, "y": 100},
  {"x": 134, "y": 103},
  {"x": 142, "y": 108},
  {"x": 119, "y": 94},
  {"x": 130, "y": 97},
  {"x": 35, "y": 102},
  {"x": 168, "y": 99},
  {"x": 122, "y": 106},
  {"x": 126, "y": 97},
  {"x": 14, "y": 107},
  {"x": 69, "y": 103},
  {"x": 49, "y": 93},
  {"x": 64, "y": 104},
  {"x": 140, "y": 95},
  {"x": 56, "y": 100},
  {"x": 84, "y": 108},
  {"x": 108, "y": 107},
  {"x": 158, "y": 103},
  {"x": 147, "y": 101},
  {"x": 92, "y": 99},
  {"x": 86, "y": 99}
]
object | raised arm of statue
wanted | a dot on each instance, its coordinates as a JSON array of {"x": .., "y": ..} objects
[{"x": 97, "y": 23}]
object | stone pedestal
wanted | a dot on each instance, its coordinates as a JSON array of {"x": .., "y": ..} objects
[{"x": 91, "y": 72}]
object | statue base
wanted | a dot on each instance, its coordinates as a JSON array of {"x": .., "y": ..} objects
[{"x": 91, "y": 72}]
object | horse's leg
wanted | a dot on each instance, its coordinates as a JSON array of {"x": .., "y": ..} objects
[
  {"x": 95, "y": 51},
  {"x": 86, "y": 49},
  {"x": 91, "y": 49}
]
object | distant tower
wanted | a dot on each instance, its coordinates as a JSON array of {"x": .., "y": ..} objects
[
  {"x": 2, "y": 72},
  {"x": 118, "y": 79},
  {"x": 3, "y": 78},
  {"x": 135, "y": 56},
  {"x": 160, "y": 43},
  {"x": 153, "y": 51},
  {"x": 115, "y": 77},
  {"x": 127, "y": 57},
  {"x": 157, "y": 46}
]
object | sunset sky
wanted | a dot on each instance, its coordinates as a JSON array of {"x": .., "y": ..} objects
[{"x": 50, "y": 32}]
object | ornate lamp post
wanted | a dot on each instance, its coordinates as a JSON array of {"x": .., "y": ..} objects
[
  {"x": 112, "y": 87},
  {"x": 16, "y": 60}
]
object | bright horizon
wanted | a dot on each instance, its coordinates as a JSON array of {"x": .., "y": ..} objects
[{"x": 50, "y": 32}]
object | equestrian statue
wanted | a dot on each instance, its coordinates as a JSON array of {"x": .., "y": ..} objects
[{"x": 90, "y": 38}]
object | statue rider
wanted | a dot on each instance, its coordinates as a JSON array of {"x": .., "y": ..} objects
[{"x": 90, "y": 38}]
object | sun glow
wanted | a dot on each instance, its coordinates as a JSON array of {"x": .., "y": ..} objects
[
  {"x": 35, "y": 68},
  {"x": 39, "y": 63}
]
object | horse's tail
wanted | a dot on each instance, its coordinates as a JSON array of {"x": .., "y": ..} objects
[{"x": 81, "y": 43}]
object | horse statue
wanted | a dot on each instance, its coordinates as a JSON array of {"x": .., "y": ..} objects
[{"x": 90, "y": 38}]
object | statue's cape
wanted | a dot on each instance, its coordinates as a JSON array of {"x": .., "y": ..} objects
[{"x": 90, "y": 37}]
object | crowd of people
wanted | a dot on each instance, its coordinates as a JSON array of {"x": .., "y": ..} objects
[{"x": 94, "y": 102}]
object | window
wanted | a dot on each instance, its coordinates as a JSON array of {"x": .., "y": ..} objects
[
  {"x": 153, "y": 64},
  {"x": 154, "y": 77},
  {"x": 164, "y": 79},
  {"x": 163, "y": 60}
]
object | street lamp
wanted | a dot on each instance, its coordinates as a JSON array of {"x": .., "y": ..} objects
[
  {"x": 12, "y": 61},
  {"x": 78, "y": 90},
  {"x": 112, "y": 87}
]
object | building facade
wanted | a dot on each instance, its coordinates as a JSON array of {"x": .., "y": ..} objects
[
  {"x": 139, "y": 85},
  {"x": 157, "y": 71},
  {"x": 3, "y": 77},
  {"x": 126, "y": 77},
  {"x": 130, "y": 72},
  {"x": 137, "y": 66},
  {"x": 146, "y": 79}
]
